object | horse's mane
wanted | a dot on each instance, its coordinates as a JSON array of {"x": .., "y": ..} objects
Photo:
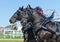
[{"x": 40, "y": 12}]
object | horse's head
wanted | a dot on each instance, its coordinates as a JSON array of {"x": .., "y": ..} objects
[
  {"x": 37, "y": 16},
  {"x": 19, "y": 15},
  {"x": 16, "y": 16}
]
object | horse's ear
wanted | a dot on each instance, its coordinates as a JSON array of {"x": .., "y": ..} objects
[
  {"x": 19, "y": 8},
  {"x": 22, "y": 8},
  {"x": 29, "y": 6}
]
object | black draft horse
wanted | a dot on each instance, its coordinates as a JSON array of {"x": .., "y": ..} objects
[{"x": 22, "y": 16}]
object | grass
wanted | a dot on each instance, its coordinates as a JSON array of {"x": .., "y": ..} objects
[
  {"x": 7, "y": 36},
  {"x": 7, "y": 39},
  {"x": 12, "y": 40},
  {"x": 1, "y": 36}
]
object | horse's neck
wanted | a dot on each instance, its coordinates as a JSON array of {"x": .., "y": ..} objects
[
  {"x": 51, "y": 25},
  {"x": 38, "y": 19}
]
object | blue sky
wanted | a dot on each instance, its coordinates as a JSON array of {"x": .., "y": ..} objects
[{"x": 8, "y": 7}]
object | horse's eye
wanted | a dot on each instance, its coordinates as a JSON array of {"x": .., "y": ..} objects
[{"x": 14, "y": 17}]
